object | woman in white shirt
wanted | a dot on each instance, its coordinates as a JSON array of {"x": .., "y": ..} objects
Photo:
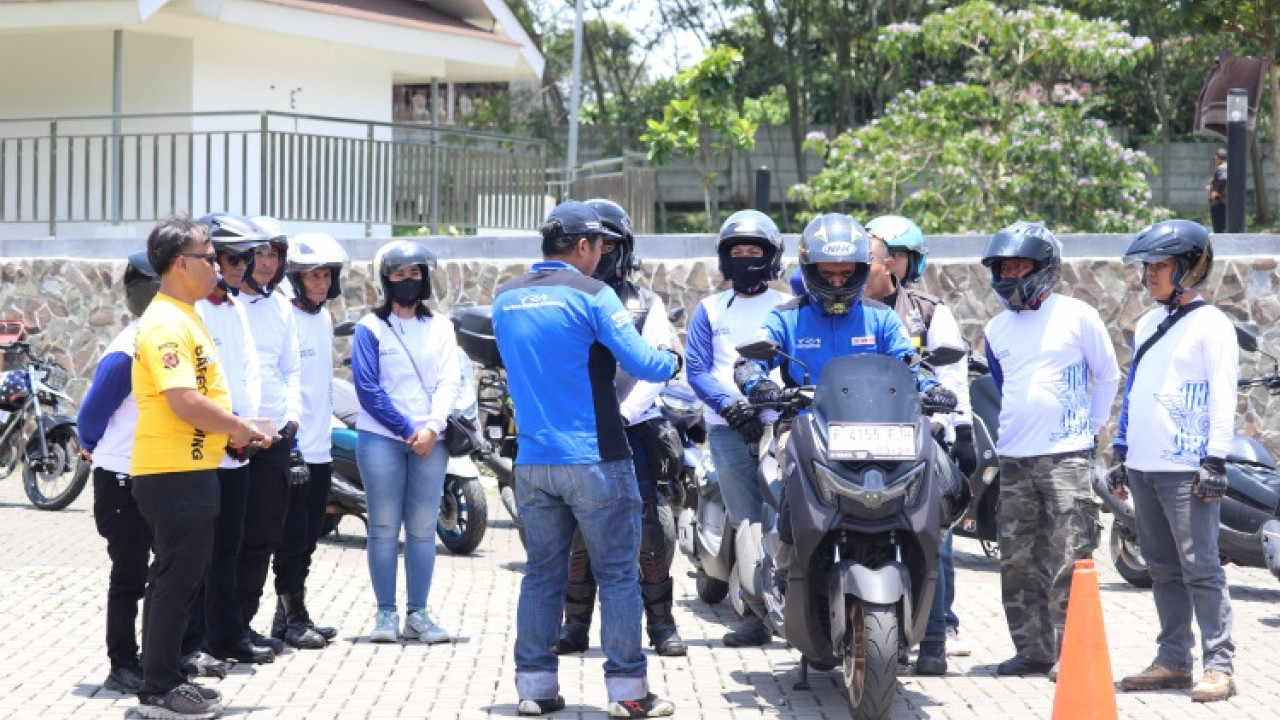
[{"x": 404, "y": 364}]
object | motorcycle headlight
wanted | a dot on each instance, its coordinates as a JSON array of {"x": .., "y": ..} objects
[{"x": 871, "y": 490}]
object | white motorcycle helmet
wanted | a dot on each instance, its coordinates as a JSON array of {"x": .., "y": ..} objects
[{"x": 309, "y": 251}]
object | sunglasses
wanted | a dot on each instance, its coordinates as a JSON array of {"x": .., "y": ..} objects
[
  {"x": 241, "y": 259},
  {"x": 211, "y": 258}
]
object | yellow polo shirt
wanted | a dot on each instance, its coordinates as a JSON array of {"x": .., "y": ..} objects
[{"x": 173, "y": 350}]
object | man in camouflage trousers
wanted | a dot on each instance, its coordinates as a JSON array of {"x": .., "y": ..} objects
[{"x": 1053, "y": 361}]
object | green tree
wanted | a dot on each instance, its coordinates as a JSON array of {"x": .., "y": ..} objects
[
  {"x": 705, "y": 122},
  {"x": 976, "y": 155}
]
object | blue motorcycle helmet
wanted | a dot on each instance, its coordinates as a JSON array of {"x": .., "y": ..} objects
[
  {"x": 835, "y": 238},
  {"x": 900, "y": 233}
]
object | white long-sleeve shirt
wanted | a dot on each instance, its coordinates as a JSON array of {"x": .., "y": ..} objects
[
  {"x": 395, "y": 398},
  {"x": 1181, "y": 405},
  {"x": 719, "y": 325},
  {"x": 638, "y": 403},
  {"x": 1057, "y": 373},
  {"x": 275, "y": 332},
  {"x": 315, "y": 353},
  {"x": 944, "y": 332},
  {"x": 228, "y": 326}
]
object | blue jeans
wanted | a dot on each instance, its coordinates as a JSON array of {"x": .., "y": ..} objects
[
  {"x": 736, "y": 469},
  {"x": 402, "y": 489},
  {"x": 601, "y": 500},
  {"x": 1179, "y": 537},
  {"x": 940, "y": 615}
]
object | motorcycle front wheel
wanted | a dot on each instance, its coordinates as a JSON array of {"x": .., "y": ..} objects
[
  {"x": 464, "y": 515},
  {"x": 62, "y": 476},
  {"x": 871, "y": 659},
  {"x": 1126, "y": 555}
]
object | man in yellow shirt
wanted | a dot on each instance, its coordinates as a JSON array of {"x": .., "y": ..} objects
[{"x": 184, "y": 426}]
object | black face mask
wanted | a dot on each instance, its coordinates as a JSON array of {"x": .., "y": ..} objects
[
  {"x": 405, "y": 292},
  {"x": 749, "y": 274},
  {"x": 608, "y": 270}
]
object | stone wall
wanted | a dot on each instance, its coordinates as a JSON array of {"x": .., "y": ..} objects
[{"x": 79, "y": 307}]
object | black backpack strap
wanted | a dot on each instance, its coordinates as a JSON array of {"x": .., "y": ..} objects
[{"x": 1161, "y": 329}]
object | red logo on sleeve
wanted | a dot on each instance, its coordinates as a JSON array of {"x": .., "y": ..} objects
[{"x": 170, "y": 360}]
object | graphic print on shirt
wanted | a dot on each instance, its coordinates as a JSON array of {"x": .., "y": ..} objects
[
  {"x": 1189, "y": 410},
  {"x": 1072, "y": 390}
]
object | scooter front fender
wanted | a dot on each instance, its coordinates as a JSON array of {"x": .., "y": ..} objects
[{"x": 882, "y": 586}]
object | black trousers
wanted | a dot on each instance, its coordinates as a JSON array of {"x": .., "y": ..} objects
[
  {"x": 263, "y": 525},
  {"x": 215, "y": 621},
  {"x": 129, "y": 546},
  {"x": 1218, "y": 216},
  {"x": 181, "y": 510},
  {"x": 307, "y": 504}
]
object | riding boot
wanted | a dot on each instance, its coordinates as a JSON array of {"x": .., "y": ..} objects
[
  {"x": 661, "y": 623},
  {"x": 278, "y": 622},
  {"x": 579, "y": 602},
  {"x": 298, "y": 632},
  {"x": 328, "y": 632}
]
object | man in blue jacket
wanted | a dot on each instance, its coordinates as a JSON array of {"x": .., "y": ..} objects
[{"x": 561, "y": 334}]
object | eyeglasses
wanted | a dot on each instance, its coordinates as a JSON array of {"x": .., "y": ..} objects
[
  {"x": 211, "y": 258},
  {"x": 241, "y": 259}
]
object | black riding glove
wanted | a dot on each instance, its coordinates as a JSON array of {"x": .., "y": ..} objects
[
  {"x": 744, "y": 419},
  {"x": 289, "y": 431},
  {"x": 940, "y": 400},
  {"x": 299, "y": 473},
  {"x": 679, "y": 359},
  {"x": 963, "y": 451},
  {"x": 766, "y": 391},
  {"x": 1211, "y": 482},
  {"x": 1117, "y": 476}
]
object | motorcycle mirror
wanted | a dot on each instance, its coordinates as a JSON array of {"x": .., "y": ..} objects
[
  {"x": 344, "y": 329},
  {"x": 763, "y": 350},
  {"x": 675, "y": 314},
  {"x": 1246, "y": 339}
]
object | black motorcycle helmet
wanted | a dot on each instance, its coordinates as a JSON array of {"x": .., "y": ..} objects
[
  {"x": 1033, "y": 242},
  {"x": 834, "y": 237},
  {"x": 234, "y": 235},
  {"x": 751, "y": 227},
  {"x": 1185, "y": 242},
  {"x": 141, "y": 283},
  {"x": 397, "y": 254},
  {"x": 615, "y": 267}
]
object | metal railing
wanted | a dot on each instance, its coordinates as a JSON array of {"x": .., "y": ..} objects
[
  {"x": 627, "y": 180},
  {"x": 138, "y": 168}
]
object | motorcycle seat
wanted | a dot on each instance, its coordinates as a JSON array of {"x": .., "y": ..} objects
[{"x": 1248, "y": 451}]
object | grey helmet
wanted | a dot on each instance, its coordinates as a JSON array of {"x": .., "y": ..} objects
[
  {"x": 307, "y": 252},
  {"x": 234, "y": 235},
  {"x": 834, "y": 237}
]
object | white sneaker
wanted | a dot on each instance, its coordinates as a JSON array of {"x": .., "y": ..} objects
[
  {"x": 384, "y": 627},
  {"x": 419, "y": 625},
  {"x": 955, "y": 646}
]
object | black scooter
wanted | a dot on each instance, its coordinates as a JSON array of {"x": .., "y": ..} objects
[
  {"x": 1249, "y": 534},
  {"x": 861, "y": 519},
  {"x": 980, "y": 520}
]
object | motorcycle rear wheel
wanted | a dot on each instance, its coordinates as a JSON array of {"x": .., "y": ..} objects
[
  {"x": 1126, "y": 555},
  {"x": 61, "y": 482},
  {"x": 871, "y": 659},
  {"x": 464, "y": 515}
]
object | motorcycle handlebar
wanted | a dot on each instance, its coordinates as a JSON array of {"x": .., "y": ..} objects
[{"x": 1271, "y": 381}]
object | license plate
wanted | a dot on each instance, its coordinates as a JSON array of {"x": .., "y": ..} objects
[{"x": 871, "y": 441}]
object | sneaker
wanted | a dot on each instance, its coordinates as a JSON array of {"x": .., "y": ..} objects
[
  {"x": 751, "y": 632},
  {"x": 1019, "y": 665},
  {"x": 932, "y": 659},
  {"x": 207, "y": 693},
  {"x": 540, "y": 707},
  {"x": 648, "y": 706},
  {"x": 419, "y": 625},
  {"x": 1157, "y": 677},
  {"x": 1214, "y": 685},
  {"x": 384, "y": 627},
  {"x": 184, "y": 702},
  {"x": 125, "y": 679},
  {"x": 955, "y": 646}
]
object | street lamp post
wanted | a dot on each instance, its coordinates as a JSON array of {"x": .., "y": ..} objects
[
  {"x": 575, "y": 97},
  {"x": 1237, "y": 118}
]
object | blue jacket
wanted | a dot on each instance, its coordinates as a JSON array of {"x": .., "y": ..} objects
[
  {"x": 806, "y": 332},
  {"x": 561, "y": 335}
]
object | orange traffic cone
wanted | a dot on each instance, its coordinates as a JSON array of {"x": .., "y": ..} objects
[{"x": 1085, "y": 690}]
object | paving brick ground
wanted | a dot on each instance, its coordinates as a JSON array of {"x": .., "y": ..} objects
[{"x": 53, "y": 572}]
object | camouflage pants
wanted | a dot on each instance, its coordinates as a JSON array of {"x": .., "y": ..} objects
[{"x": 1048, "y": 520}]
